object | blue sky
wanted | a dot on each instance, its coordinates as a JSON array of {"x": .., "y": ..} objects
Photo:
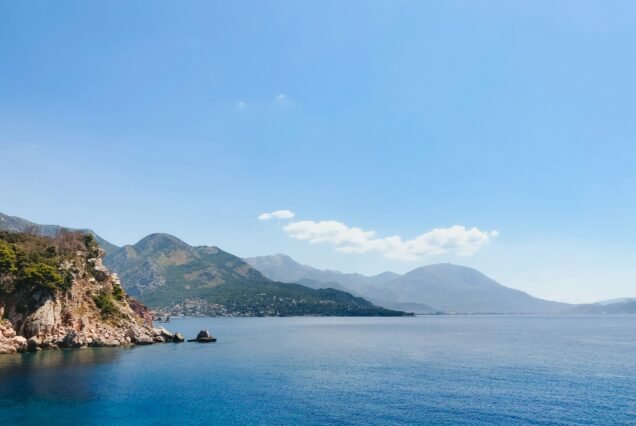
[{"x": 194, "y": 118}]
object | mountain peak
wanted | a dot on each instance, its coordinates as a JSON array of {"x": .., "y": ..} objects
[
  {"x": 166, "y": 273},
  {"x": 160, "y": 242},
  {"x": 278, "y": 257},
  {"x": 445, "y": 268}
]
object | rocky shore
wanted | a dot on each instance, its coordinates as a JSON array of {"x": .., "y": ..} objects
[
  {"x": 11, "y": 342},
  {"x": 56, "y": 293}
]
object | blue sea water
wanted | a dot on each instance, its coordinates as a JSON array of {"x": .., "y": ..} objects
[{"x": 360, "y": 371}]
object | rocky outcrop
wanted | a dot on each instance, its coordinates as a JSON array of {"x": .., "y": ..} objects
[
  {"x": 10, "y": 342},
  {"x": 88, "y": 308},
  {"x": 204, "y": 336}
]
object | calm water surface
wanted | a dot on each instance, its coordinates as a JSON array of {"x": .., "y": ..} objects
[{"x": 421, "y": 370}]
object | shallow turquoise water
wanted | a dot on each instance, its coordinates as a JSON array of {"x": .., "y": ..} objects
[{"x": 421, "y": 370}]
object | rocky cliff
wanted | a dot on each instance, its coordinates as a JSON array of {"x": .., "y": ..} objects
[{"x": 56, "y": 293}]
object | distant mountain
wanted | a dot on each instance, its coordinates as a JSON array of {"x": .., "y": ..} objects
[
  {"x": 416, "y": 308},
  {"x": 17, "y": 224},
  {"x": 621, "y": 306},
  {"x": 168, "y": 274},
  {"x": 161, "y": 259},
  {"x": 454, "y": 288},
  {"x": 442, "y": 287},
  {"x": 318, "y": 285},
  {"x": 613, "y": 301},
  {"x": 280, "y": 267},
  {"x": 283, "y": 268}
]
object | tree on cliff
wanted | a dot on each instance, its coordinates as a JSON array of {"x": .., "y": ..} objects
[{"x": 7, "y": 265}]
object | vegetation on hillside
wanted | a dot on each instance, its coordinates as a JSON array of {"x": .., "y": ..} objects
[
  {"x": 168, "y": 274},
  {"x": 31, "y": 263},
  {"x": 17, "y": 224},
  {"x": 268, "y": 298}
]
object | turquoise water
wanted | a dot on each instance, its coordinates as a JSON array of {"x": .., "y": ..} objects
[{"x": 421, "y": 370}]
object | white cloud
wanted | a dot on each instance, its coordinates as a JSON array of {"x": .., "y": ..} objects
[
  {"x": 241, "y": 105},
  {"x": 281, "y": 97},
  {"x": 278, "y": 214},
  {"x": 457, "y": 239}
]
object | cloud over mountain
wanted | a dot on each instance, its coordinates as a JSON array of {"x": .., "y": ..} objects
[{"x": 457, "y": 239}]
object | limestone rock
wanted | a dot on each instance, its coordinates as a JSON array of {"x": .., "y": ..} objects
[
  {"x": 7, "y": 349},
  {"x": 139, "y": 335},
  {"x": 144, "y": 340},
  {"x": 34, "y": 343},
  {"x": 72, "y": 340},
  {"x": 43, "y": 320},
  {"x": 19, "y": 343},
  {"x": 164, "y": 333},
  {"x": 86, "y": 308}
]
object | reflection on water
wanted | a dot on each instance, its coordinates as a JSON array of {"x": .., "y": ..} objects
[
  {"x": 60, "y": 359},
  {"x": 53, "y": 374}
]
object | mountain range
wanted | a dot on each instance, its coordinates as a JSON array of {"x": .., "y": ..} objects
[
  {"x": 168, "y": 274},
  {"x": 618, "y": 306},
  {"x": 171, "y": 276},
  {"x": 434, "y": 288}
]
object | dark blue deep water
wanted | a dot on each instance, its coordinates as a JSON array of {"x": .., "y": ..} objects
[{"x": 424, "y": 370}]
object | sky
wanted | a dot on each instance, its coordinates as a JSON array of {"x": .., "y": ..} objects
[{"x": 391, "y": 134}]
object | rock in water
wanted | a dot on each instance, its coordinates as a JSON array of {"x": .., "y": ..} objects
[
  {"x": 168, "y": 336},
  {"x": 178, "y": 338},
  {"x": 204, "y": 336}
]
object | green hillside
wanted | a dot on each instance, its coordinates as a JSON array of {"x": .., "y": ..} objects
[
  {"x": 244, "y": 298},
  {"x": 170, "y": 275}
]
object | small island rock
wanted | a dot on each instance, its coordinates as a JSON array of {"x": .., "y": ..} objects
[{"x": 204, "y": 336}]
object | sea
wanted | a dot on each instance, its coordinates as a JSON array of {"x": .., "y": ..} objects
[{"x": 423, "y": 370}]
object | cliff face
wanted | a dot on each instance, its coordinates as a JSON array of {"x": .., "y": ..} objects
[{"x": 56, "y": 293}]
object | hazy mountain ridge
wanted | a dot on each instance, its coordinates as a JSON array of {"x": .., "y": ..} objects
[
  {"x": 620, "y": 306},
  {"x": 613, "y": 301},
  {"x": 441, "y": 287},
  {"x": 281, "y": 267},
  {"x": 161, "y": 259},
  {"x": 454, "y": 288}
]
